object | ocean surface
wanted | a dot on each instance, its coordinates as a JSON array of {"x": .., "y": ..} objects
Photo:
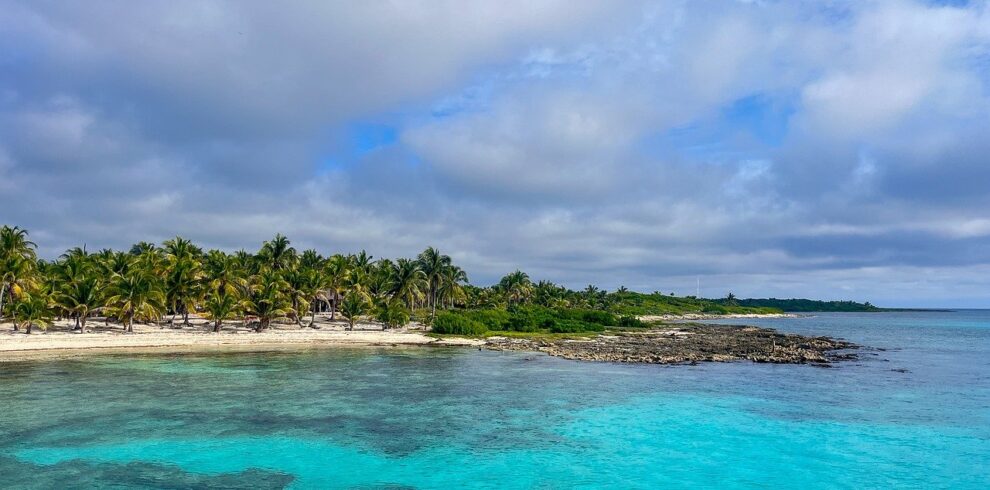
[{"x": 913, "y": 415}]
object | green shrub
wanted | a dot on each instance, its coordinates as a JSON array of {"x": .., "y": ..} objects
[
  {"x": 714, "y": 309},
  {"x": 631, "y": 322},
  {"x": 522, "y": 322},
  {"x": 392, "y": 314},
  {"x": 575, "y": 326},
  {"x": 603, "y": 318},
  {"x": 491, "y": 319},
  {"x": 528, "y": 318},
  {"x": 598, "y": 317},
  {"x": 448, "y": 322}
]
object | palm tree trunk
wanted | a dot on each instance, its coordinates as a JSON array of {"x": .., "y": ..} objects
[
  {"x": 216, "y": 326},
  {"x": 29, "y": 325},
  {"x": 82, "y": 324},
  {"x": 3, "y": 289}
]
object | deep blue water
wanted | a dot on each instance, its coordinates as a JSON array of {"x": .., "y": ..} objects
[{"x": 442, "y": 418}]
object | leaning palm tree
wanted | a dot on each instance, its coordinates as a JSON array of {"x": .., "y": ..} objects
[
  {"x": 136, "y": 294},
  {"x": 354, "y": 305}
]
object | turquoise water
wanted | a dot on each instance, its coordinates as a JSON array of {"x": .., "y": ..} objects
[{"x": 442, "y": 418}]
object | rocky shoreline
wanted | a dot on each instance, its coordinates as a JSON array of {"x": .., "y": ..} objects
[{"x": 688, "y": 344}]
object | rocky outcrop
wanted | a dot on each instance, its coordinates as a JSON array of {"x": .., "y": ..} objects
[{"x": 689, "y": 343}]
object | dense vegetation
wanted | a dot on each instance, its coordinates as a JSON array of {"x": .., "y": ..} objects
[
  {"x": 167, "y": 283},
  {"x": 806, "y": 305},
  {"x": 151, "y": 283}
]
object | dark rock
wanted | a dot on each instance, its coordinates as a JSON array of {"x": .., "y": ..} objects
[{"x": 690, "y": 344}]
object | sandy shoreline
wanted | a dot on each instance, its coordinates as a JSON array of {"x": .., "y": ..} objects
[{"x": 60, "y": 342}]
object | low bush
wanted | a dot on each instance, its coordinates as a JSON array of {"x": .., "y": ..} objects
[
  {"x": 631, "y": 322},
  {"x": 575, "y": 326},
  {"x": 491, "y": 319},
  {"x": 448, "y": 322},
  {"x": 715, "y": 309},
  {"x": 597, "y": 317}
]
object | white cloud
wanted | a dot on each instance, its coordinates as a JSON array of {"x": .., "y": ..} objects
[{"x": 585, "y": 142}]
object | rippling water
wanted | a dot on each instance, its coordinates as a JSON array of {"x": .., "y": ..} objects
[{"x": 442, "y": 418}]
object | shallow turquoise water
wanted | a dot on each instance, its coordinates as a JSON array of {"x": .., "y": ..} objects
[{"x": 441, "y": 418}]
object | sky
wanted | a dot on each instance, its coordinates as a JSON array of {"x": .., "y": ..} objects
[{"x": 833, "y": 149}]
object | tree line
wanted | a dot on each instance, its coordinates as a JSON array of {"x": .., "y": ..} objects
[{"x": 166, "y": 283}]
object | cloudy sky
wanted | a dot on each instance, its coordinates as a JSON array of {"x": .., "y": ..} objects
[{"x": 833, "y": 149}]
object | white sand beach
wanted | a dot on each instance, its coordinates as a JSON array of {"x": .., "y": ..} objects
[{"x": 60, "y": 341}]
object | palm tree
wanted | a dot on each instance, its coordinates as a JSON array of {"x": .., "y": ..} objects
[
  {"x": 221, "y": 305},
  {"x": 546, "y": 293},
  {"x": 34, "y": 309},
  {"x": 450, "y": 289},
  {"x": 17, "y": 261},
  {"x": 80, "y": 297},
  {"x": 266, "y": 299},
  {"x": 379, "y": 281},
  {"x": 221, "y": 272},
  {"x": 306, "y": 287},
  {"x": 392, "y": 313},
  {"x": 337, "y": 271},
  {"x": 140, "y": 248},
  {"x": 117, "y": 263},
  {"x": 354, "y": 305},
  {"x": 183, "y": 273},
  {"x": 17, "y": 276},
  {"x": 730, "y": 299},
  {"x": 362, "y": 261},
  {"x": 516, "y": 286},
  {"x": 408, "y": 282},
  {"x": 310, "y": 259},
  {"x": 136, "y": 294},
  {"x": 245, "y": 263},
  {"x": 277, "y": 254},
  {"x": 432, "y": 262}
]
